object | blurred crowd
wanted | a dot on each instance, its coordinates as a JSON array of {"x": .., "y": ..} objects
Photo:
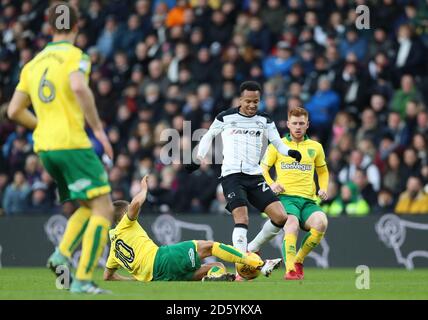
[{"x": 156, "y": 64}]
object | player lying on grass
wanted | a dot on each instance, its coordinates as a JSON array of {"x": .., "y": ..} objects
[
  {"x": 297, "y": 192},
  {"x": 132, "y": 249}
]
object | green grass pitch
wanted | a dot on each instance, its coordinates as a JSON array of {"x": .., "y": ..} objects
[{"x": 39, "y": 283}]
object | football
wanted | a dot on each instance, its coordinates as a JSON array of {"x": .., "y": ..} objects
[{"x": 246, "y": 271}]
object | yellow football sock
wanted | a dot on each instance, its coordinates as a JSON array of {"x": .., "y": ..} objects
[
  {"x": 74, "y": 231},
  {"x": 310, "y": 241},
  {"x": 93, "y": 244},
  {"x": 231, "y": 254},
  {"x": 290, "y": 251}
]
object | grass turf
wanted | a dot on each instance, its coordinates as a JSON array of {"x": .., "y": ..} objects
[{"x": 39, "y": 283}]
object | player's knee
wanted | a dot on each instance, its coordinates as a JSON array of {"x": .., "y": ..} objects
[
  {"x": 292, "y": 224},
  {"x": 321, "y": 223}
]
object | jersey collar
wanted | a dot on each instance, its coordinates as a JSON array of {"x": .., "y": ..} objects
[
  {"x": 58, "y": 42},
  {"x": 241, "y": 114},
  {"x": 288, "y": 137}
]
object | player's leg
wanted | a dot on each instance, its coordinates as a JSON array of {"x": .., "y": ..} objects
[
  {"x": 95, "y": 236},
  {"x": 236, "y": 196},
  {"x": 231, "y": 254},
  {"x": 226, "y": 253},
  {"x": 76, "y": 224},
  {"x": 87, "y": 182},
  {"x": 317, "y": 224},
  {"x": 291, "y": 230},
  {"x": 239, "y": 234},
  {"x": 263, "y": 198}
]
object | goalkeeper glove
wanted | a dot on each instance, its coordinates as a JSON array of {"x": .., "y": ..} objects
[{"x": 295, "y": 154}]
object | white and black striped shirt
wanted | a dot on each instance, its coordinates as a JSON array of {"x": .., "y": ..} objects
[{"x": 243, "y": 138}]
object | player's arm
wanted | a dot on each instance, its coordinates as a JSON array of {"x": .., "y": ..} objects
[
  {"x": 18, "y": 110},
  {"x": 86, "y": 100},
  {"x": 111, "y": 275},
  {"x": 323, "y": 175},
  {"x": 267, "y": 162},
  {"x": 275, "y": 139},
  {"x": 18, "y": 106},
  {"x": 138, "y": 201}
]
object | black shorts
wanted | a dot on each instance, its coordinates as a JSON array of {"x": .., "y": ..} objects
[{"x": 239, "y": 189}]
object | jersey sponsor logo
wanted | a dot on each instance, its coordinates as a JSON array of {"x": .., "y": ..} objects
[
  {"x": 296, "y": 166},
  {"x": 79, "y": 185},
  {"x": 311, "y": 153},
  {"x": 254, "y": 133},
  {"x": 192, "y": 257}
]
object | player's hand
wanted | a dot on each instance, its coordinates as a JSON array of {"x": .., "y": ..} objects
[
  {"x": 103, "y": 139},
  {"x": 191, "y": 167},
  {"x": 323, "y": 195},
  {"x": 141, "y": 196},
  {"x": 277, "y": 188},
  {"x": 295, "y": 154}
]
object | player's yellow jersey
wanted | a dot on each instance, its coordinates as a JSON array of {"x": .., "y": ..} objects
[
  {"x": 132, "y": 249},
  {"x": 296, "y": 178},
  {"x": 60, "y": 120}
]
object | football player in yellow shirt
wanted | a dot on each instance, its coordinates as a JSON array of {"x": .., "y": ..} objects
[
  {"x": 133, "y": 250},
  {"x": 297, "y": 191},
  {"x": 55, "y": 83}
]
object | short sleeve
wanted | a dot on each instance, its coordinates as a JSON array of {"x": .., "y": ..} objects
[
  {"x": 23, "y": 84},
  {"x": 80, "y": 62},
  {"x": 125, "y": 222}
]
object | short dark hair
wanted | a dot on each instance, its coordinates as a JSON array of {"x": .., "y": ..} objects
[
  {"x": 250, "y": 86},
  {"x": 54, "y": 15}
]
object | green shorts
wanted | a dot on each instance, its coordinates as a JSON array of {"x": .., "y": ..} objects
[
  {"x": 176, "y": 262},
  {"x": 78, "y": 173},
  {"x": 299, "y": 207}
]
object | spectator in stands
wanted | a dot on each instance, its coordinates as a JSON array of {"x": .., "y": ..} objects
[
  {"x": 385, "y": 202},
  {"x": 411, "y": 165},
  {"x": 359, "y": 161},
  {"x": 364, "y": 187},
  {"x": 407, "y": 92},
  {"x": 410, "y": 57},
  {"x": 109, "y": 35},
  {"x": 349, "y": 202},
  {"x": 38, "y": 201},
  {"x": 281, "y": 63},
  {"x": 369, "y": 128},
  {"x": 14, "y": 199},
  {"x": 353, "y": 43},
  {"x": 414, "y": 200},
  {"x": 322, "y": 108}
]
